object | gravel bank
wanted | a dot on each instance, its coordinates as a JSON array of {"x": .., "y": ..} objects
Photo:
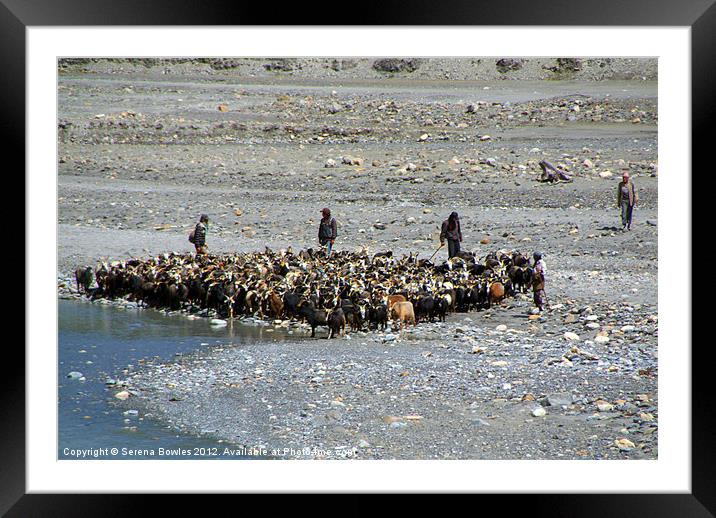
[{"x": 468, "y": 389}]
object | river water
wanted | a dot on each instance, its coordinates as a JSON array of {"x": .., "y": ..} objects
[{"x": 100, "y": 341}]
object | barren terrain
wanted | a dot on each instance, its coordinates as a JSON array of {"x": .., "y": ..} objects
[{"x": 143, "y": 152}]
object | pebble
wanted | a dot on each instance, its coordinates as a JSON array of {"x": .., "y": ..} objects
[
  {"x": 539, "y": 412},
  {"x": 75, "y": 375},
  {"x": 477, "y": 421},
  {"x": 559, "y": 399},
  {"x": 349, "y": 160},
  {"x": 569, "y": 335},
  {"x": 624, "y": 444},
  {"x": 604, "y": 406}
]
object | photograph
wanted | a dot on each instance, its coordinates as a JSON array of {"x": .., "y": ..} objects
[
  {"x": 357, "y": 258},
  {"x": 450, "y": 258}
]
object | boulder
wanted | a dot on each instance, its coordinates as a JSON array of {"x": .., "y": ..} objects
[
  {"x": 396, "y": 65},
  {"x": 505, "y": 65}
]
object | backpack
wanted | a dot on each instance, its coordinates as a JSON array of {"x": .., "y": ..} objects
[
  {"x": 191, "y": 236},
  {"x": 326, "y": 229}
]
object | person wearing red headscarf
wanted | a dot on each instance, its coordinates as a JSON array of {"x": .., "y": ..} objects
[{"x": 626, "y": 200}]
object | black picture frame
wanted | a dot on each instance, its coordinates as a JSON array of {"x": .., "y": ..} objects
[{"x": 700, "y": 15}]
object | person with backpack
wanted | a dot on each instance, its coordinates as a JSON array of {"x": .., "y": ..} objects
[
  {"x": 327, "y": 230},
  {"x": 198, "y": 235},
  {"x": 538, "y": 278},
  {"x": 451, "y": 231}
]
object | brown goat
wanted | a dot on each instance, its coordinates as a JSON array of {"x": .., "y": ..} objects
[
  {"x": 403, "y": 312},
  {"x": 392, "y": 299},
  {"x": 274, "y": 305},
  {"x": 497, "y": 292}
]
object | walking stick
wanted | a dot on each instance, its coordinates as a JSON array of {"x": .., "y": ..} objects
[{"x": 436, "y": 251}]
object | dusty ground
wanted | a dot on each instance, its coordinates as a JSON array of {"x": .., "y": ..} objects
[{"x": 141, "y": 155}]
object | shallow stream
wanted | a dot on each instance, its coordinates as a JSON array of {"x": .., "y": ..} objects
[{"x": 100, "y": 342}]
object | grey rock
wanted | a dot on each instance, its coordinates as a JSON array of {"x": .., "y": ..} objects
[
  {"x": 478, "y": 421},
  {"x": 559, "y": 399},
  {"x": 397, "y": 65}
]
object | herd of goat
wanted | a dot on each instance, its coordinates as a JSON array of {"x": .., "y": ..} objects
[{"x": 347, "y": 288}]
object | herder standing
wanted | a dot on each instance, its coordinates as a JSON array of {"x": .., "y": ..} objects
[
  {"x": 198, "y": 237},
  {"x": 327, "y": 230},
  {"x": 538, "y": 278},
  {"x": 626, "y": 200},
  {"x": 451, "y": 231}
]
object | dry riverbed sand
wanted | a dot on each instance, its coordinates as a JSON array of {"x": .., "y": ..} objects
[{"x": 141, "y": 155}]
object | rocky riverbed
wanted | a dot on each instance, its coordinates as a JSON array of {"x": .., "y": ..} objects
[{"x": 141, "y": 154}]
